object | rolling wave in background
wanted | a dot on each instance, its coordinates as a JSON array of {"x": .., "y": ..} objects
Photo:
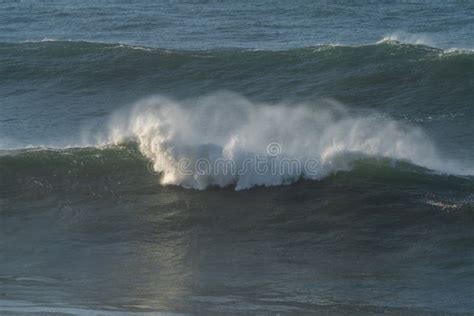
[{"x": 410, "y": 83}]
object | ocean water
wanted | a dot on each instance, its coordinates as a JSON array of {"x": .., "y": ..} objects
[{"x": 347, "y": 131}]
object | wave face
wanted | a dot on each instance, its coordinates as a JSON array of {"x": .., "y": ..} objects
[
  {"x": 85, "y": 65},
  {"x": 117, "y": 62}
]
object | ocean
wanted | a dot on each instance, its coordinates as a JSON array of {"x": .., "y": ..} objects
[{"x": 228, "y": 158}]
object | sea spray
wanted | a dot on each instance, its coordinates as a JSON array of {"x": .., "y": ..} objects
[{"x": 179, "y": 137}]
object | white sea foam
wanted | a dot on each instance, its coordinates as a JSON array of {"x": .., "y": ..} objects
[
  {"x": 45, "y": 39},
  {"x": 403, "y": 37},
  {"x": 419, "y": 39},
  {"x": 228, "y": 126}
]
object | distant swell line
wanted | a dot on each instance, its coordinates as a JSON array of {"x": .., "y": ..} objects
[{"x": 388, "y": 40}]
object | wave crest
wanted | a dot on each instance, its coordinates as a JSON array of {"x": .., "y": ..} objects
[
  {"x": 228, "y": 126},
  {"x": 406, "y": 38}
]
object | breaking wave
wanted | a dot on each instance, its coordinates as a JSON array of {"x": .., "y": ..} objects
[{"x": 228, "y": 127}]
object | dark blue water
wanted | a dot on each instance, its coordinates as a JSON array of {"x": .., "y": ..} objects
[{"x": 100, "y": 102}]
